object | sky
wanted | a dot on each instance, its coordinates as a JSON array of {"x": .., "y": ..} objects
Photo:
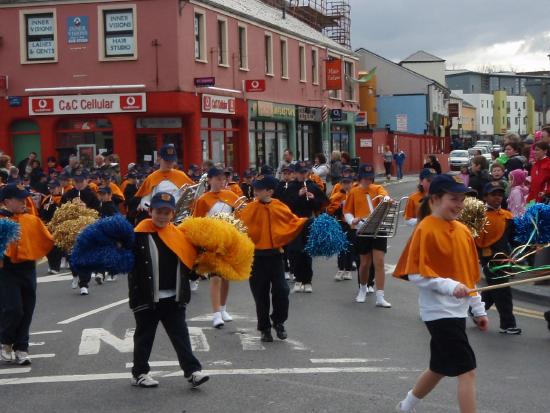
[{"x": 468, "y": 34}]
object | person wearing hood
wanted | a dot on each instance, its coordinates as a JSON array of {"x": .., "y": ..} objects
[
  {"x": 518, "y": 192},
  {"x": 515, "y": 159}
]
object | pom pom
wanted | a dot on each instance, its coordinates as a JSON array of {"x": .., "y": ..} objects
[
  {"x": 9, "y": 232},
  {"x": 105, "y": 246},
  {"x": 326, "y": 237},
  {"x": 230, "y": 218},
  {"x": 225, "y": 251},
  {"x": 69, "y": 221},
  {"x": 533, "y": 227},
  {"x": 474, "y": 216}
]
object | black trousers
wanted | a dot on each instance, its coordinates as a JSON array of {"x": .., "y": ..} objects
[
  {"x": 346, "y": 258},
  {"x": 54, "y": 258},
  {"x": 17, "y": 302},
  {"x": 172, "y": 317},
  {"x": 501, "y": 298},
  {"x": 302, "y": 264},
  {"x": 268, "y": 276}
]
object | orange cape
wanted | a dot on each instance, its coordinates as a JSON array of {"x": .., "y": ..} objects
[
  {"x": 494, "y": 230},
  {"x": 413, "y": 205},
  {"x": 439, "y": 248},
  {"x": 174, "y": 239},
  {"x": 271, "y": 225},
  {"x": 116, "y": 190},
  {"x": 35, "y": 242},
  {"x": 178, "y": 178},
  {"x": 205, "y": 203}
]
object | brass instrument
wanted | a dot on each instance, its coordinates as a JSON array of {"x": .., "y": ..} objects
[
  {"x": 383, "y": 221},
  {"x": 239, "y": 204},
  {"x": 305, "y": 186},
  {"x": 187, "y": 196}
]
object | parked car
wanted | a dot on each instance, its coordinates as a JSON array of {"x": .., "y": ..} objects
[
  {"x": 458, "y": 158},
  {"x": 487, "y": 144},
  {"x": 497, "y": 148},
  {"x": 484, "y": 152}
]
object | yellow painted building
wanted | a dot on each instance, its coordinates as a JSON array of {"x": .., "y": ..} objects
[
  {"x": 468, "y": 118},
  {"x": 500, "y": 114}
]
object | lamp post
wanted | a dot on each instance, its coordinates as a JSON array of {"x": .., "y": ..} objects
[{"x": 519, "y": 122}]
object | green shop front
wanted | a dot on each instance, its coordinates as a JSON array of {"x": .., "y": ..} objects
[{"x": 342, "y": 131}]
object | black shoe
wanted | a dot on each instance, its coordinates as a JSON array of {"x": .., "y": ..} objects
[
  {"x": 547, "y": 318},
  {"x": 281, "y": 332},
  {"x": 513, "y": 331},
  {"x": 266, "y": 336}
]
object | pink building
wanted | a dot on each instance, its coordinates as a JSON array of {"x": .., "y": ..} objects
[{"x": 126, "y": 77}]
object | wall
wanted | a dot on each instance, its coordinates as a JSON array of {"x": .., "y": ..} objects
[
  {"x": 499, "y": 111},
  {"x": 520, "y": 111},
  {"x": 432, "y": 70},
  {"x": 467, "y": 82},
  {"x": 468, "y": 119},
  {"x": 484, "y": 110},
  {"x": 413, "y": 106}
]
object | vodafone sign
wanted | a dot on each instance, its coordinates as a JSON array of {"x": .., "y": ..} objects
[
  {"x": 255, "y": 85},
  {"x": 218, "y": 104},
  {"x": 83, "y": 104}
]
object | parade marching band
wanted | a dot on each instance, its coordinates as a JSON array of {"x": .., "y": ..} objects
[{"x": 440, "y": 258}]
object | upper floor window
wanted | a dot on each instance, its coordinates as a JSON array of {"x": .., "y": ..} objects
[
  {"x": 350, "y": 87},
  {"x": 284, "y": 58},
  {"x": 118, "y": 33},
  {"x": 302, "y": 60},
  {"x": 222, "y": 42},
  {"x": 243, "y": 48},
  {"x": 315, "y": 66},
  {"x": 38, "y": 34},
  {"x": 268, "y": 48},
  {"x": 200, "y": 36}
]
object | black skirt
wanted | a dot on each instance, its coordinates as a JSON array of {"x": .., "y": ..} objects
[{"x": 451, "y": 353}]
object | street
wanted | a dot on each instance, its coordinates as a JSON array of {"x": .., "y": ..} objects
[{"x": 340, "y": 356}]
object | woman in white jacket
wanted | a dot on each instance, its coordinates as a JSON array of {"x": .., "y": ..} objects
[{"x": 320, "y": 167}]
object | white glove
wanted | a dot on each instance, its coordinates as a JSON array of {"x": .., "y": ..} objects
[{"x": 386, "y": 198}]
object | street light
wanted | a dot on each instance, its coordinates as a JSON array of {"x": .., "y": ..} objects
[{"x": 519, "y": 122}]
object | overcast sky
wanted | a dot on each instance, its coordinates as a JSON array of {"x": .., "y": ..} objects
[{"x": 466, "y": 33}]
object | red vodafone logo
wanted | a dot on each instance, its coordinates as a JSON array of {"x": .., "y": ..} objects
[
  {"x": 42, "y": 105},
  {"x": 255, "y": 85},
  {"x": 131, "y": 102},
  {"x": 206, "y": 103}
]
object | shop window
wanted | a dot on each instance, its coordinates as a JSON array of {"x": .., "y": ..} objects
[
  {"x": 268, "y": 49},
  {"x": 200, "y": 36},
  {"x": 38, "y": 34},
  {"x": 302, "y": 62},
  {"x": 222, "y": 42},
  {"x": 339, "y": 138},
  {"x": 243, "y": 48},
  {"x": 315, "y": 66},
  {"x": 218, "y": 140},
  {"x": 118, "y": 33},
  {"x": 284, "y": 58},
  {"x": 74, "y": 132},
  {"x": 268, "y": 140}
]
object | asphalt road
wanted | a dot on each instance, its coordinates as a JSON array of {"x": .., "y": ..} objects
[{"x": 340, "y": 357}]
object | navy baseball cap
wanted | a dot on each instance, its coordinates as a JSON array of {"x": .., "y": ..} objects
[
  {"x": 163, "y": 200},
  {"x": 64, "y": 176},
  {"x": 347, "y": 169},
  {"x": 346, "y": 180},
  {"x": 287, "y": 168},
  {"x": 248, "y": 174},
  {"x": 301, "y": 167},
  {"x": 447, "y": 183},
  {"x": 194, "y": 167},
  {"x": 53, "y": 184},
  {"x": 212, "y": 172},
  {"x": 106, "y": 177},
  {"x": 168, "y": 153},
  {"x": 494, "y": 186},
  {"x": 13, "y": 190},
  {"x": 366, "y": 171},
  {"x": 105, "y": 190},
  {"x": 427, "y": 173},
  {"x": 80, "y": 175},
  {"x": 266, "y": 182},
  {"x": 266, "y": 170}
]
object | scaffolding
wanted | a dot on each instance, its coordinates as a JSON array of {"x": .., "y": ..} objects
[{"x": 333, "y": 18}]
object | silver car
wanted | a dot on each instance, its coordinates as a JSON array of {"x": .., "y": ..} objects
[{"x": 458, "y": 158}]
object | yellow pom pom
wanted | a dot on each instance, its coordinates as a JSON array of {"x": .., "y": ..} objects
[
  {"x": 69, "y": 221},
  {"x": 474, "y": 216}
]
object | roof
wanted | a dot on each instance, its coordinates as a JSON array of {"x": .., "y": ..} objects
[
  {"x": 421, "y": 57},
  {"x": 449, "y": 73},
  {"x": 260, "y": 12},
  {"x": 362, "y": 50}
]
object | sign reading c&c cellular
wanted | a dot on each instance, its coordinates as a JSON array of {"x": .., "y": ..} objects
[{"x": 82, "y": 104}]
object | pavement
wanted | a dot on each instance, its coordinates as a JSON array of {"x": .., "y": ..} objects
[{"x": 341, "y": 356}]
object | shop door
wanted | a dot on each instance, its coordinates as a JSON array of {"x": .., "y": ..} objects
[
  {"x": 146, "y": 145},
  {"x": 25, "y": 139},
  {"x": 174, "y": 139}
]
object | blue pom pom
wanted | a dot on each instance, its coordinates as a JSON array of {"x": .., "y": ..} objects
[
  {"x": 326, "y": 237},
  {"x": 105, "y": 246},
  {"x": 533, "y": 226},
  {"x": 9, "y": 232}
]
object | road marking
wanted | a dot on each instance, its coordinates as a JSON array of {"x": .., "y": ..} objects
[
  {"x": 208, "y": 317},
  {"x": 528, "y": 311},
  {"x": 19, "y": 370},
  {"x": 296, "y": 345},
  {"x": 329, "y": 361},
  {"x": 90, "y": 341},
  {"x": 525, "y": 313},
  {"x": 38, "y": 343},
  {"x": 41, "y": 356},
  {"x": 92, "y": 312},
  {"x": 175, "y": 363},
  {"x": 54, "y": 278},
  {"x": 221, "y": 372},
  {"x": 198, "y": 339},
  {"x": 250, "y": 341},
  {"x": 389, "y": 268},
  {"x": 37, "y": 333}
]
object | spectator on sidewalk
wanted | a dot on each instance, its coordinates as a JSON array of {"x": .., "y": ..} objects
[
  {"x": 540, "y": 174},
  {"x": 335, "y": 167},
  {"x": 433, "y": 163},
  {"x": 320, "y": 168},
  {"x": 518, "y": 192},
  {"x": 479, "y": 175},
  {"x": 399, "y": 161},
  {"x": 388, "y": 160},
  {"x": 288, "y": 159}
]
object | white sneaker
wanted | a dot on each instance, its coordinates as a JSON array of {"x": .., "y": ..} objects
[
  {"x": 112, "y": 277},
  {"x": 64, "y": 263},
  {"x": 197, "y": 378},
  {"x": 194, "y": 285},
  {"x": 339, "y": 276},
  {"x": 347, "y": 275},
  {"x": 22, "y": 358},
  {"x": 398, "y": 408},
  {"x": 226, "y": 316},
  {"x": 74, "y": 283},
  {"x": 370, "y": 289},
  {"x": 287, "y": 275},
  {"x": 217, "y": 320},
  {"x": 6, "y": 353},
  {"x": 84, "y": 291},
  {"x": 52, "y": 272},
  {"x": 98, "y": 277},
  {"x": 381, "y": 302},
  {"x": 144, "y": 380},
  {"x": 361, "y": 296},
  {"x": 298, "y": 287},
  {"x": 308, "y": 288}
]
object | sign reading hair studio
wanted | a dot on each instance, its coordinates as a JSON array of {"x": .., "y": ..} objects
[{"x": 85, "y": 104}]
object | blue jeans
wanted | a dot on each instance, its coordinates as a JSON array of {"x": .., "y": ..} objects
[{"x": 399, "y": 171}]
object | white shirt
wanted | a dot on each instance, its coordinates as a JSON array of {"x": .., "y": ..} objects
[
  {"x": 220, "y": 207},
  {"x": 163, "y": 186},
  {"x": 436, "y": 299}
]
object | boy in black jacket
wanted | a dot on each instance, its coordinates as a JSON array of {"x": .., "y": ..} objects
[{"x": 159, "y": 291}]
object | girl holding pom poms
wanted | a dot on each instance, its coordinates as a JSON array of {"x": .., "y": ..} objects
[{"x": 18, "y": 275}]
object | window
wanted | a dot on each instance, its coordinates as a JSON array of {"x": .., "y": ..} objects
[
  {"x": 302, "y": 60},
  {"x": 482, "y": 103},
  {"x": 200, "y": 37},
  {"x": 315, "y": 66},
  {"x": 284, "y": 59},
  {"x": 118, "y": 29},
  {"x": 523, "y": 105},
  {"x": 268, "y": 48},
  {"x": 38, "y": 37},
  {"x": 349, "y": 85},
  {"x": 516, "y": 105},
  {"x": 243, "y": 48},
  {"x": 222, "y": 42},
  {"x": 507, "y": 107}
]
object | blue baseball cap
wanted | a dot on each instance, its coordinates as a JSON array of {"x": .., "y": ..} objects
[
  {"x": 14, "y": 190},
  {"x": 447, "y": 183},
  {"x": 168, "y": 152},
  {"x": 266, "y": 170},
  {"x": 212, "y": 172},
  {"x": 494, "y": 186},
  {"x": 366, "y": 171},
  {"x": 53, "y": 184},
  {"x": 105, "y": 190},
  {"x": 80, "y": 175},
  {"x": 163, "y": 200},
  {"x": 346, "y": 180},
  {"x": 427, "y": 173},
  {"x": 266, "y": 182}
]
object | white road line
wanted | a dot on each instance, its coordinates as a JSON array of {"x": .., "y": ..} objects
[
  {"x": 92, "y": 312},
  {"x": 250, "y": 341},
  {"x": 37, "y": 333},
  {"x": 221, "y": 372},
  {"x": 208, "y": 317},
  {"x": 157, "y": 364},
  {"x": 329, "y": 361},
  {"x": 198, "y": 339},
  {"x": 54, "y": 278},
  {"x": 38, "y": 343},
  {"x": 41, "y": 356},
  {"x": 19, "y": 370}
]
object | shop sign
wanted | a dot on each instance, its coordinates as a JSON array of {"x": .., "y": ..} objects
[
  {"x": 205, "y": 81},
  {"x": 84, "y": 104},
  {"x": 15, "y": 101},
  {"x": 77, "y": 29},
  {"x": 272, "y": 110},
  {"x": 159, "y": 123},
  {"x": 120, "y": 21},
  {"x": 254, "y": 85},
  {"x": 401, "y": 123},
  {"x": 334, "y": 74},
  {"x": 41, "y": 49},
  {"x": 365, "y": 143},
  {"x": 218, "y": 104},
  {"x": 40, "y": 26},
  {"x": 361, "y": 119},
  {"x": 336, "y": 115},
  {"x": 306, "y": 114}
]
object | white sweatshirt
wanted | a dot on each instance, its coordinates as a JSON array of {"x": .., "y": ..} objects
[{"x": 436, "y": 299}]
